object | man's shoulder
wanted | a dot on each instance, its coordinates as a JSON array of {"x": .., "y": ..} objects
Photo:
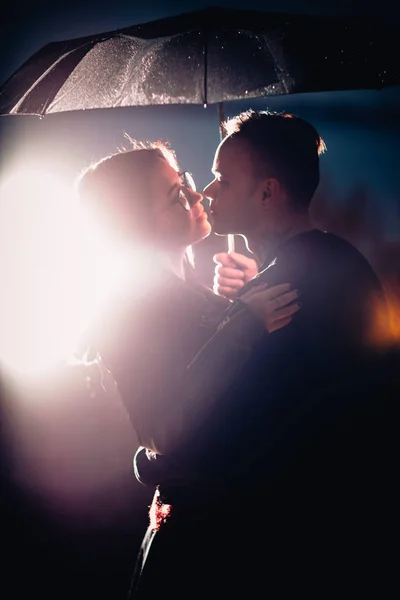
[
  {"x": 319, "y": 253},
  {"x": 320, "y": 245}
]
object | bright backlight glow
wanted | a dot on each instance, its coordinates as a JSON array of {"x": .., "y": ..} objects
[{"x": 57, "y": 274}]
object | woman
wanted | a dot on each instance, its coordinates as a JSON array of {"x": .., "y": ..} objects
[{"x": 150, "y": 210}]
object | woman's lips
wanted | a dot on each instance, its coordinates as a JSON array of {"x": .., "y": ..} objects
[{"x": 201, "y": 213}]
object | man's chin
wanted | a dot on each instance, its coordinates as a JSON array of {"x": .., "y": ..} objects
[
  {"x": 220, "y": 233},
  {"x": 217, "y": 228}
]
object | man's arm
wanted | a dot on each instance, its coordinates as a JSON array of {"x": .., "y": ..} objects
[{"x": 220, "y": 361}]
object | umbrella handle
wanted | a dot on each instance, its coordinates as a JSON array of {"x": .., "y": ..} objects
[
  {"x": 222, "y": 134},
  {"x": 231, "y": 242}
]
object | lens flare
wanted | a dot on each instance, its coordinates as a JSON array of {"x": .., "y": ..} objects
[
  {"x": 385, "y": 330},
  {"x": 57, "y": 271}
]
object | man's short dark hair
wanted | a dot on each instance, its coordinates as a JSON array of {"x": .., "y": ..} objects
[{"x": 285, "y": 146}]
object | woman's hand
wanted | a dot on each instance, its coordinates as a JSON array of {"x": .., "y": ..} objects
[{"x": 275, "y": 306}]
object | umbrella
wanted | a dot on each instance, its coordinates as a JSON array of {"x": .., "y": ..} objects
[{"x": 204, "y": 57}]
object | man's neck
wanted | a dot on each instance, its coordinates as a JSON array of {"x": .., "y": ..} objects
[{"x": 264, "y": 245}]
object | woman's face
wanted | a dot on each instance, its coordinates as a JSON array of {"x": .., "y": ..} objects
[{"x": 175, "y": 227}]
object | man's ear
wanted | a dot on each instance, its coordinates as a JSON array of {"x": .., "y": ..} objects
[{"x": 271, "y": 189}]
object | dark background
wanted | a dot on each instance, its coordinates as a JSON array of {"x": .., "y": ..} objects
[{"x": 72, "y": 511}]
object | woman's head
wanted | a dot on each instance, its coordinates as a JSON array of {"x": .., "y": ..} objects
[{"x": 139, "y": 195}]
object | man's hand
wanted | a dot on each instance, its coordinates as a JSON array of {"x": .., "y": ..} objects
[
  {"x": 275, "y": 306},
  {"x": 232, "y": 272}
]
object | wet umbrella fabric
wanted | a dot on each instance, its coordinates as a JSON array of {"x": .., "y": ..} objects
[{"x": 204, "y": 57}]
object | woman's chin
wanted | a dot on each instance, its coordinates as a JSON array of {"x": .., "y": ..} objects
[{"x": 203, "y": 230}]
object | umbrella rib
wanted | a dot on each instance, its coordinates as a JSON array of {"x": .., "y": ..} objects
[
  {"x": 61, "y": 97},
  {"x": 277, "y": 64},
  {"x": 32, "y": 87},
  {"x": 205, "y": 35}
]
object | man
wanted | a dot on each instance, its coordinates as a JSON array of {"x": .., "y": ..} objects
[{"x": 270, "y": 490}]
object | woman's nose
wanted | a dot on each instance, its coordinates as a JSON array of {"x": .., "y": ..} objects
[{"x": 195, "y": 197}]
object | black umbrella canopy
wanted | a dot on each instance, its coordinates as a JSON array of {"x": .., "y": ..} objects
[{"x": 205, "y": 57}]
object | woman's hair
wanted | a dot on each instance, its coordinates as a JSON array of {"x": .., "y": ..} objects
[{"x": 115, "y": 191}]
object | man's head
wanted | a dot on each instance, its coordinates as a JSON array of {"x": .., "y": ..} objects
[{"x": 266, "y": 169}]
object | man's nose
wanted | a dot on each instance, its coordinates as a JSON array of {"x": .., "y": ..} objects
[{"x": 208, "y": 190}]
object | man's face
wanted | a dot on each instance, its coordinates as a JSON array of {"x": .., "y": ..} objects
[{"x": 236, "y": 191}]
